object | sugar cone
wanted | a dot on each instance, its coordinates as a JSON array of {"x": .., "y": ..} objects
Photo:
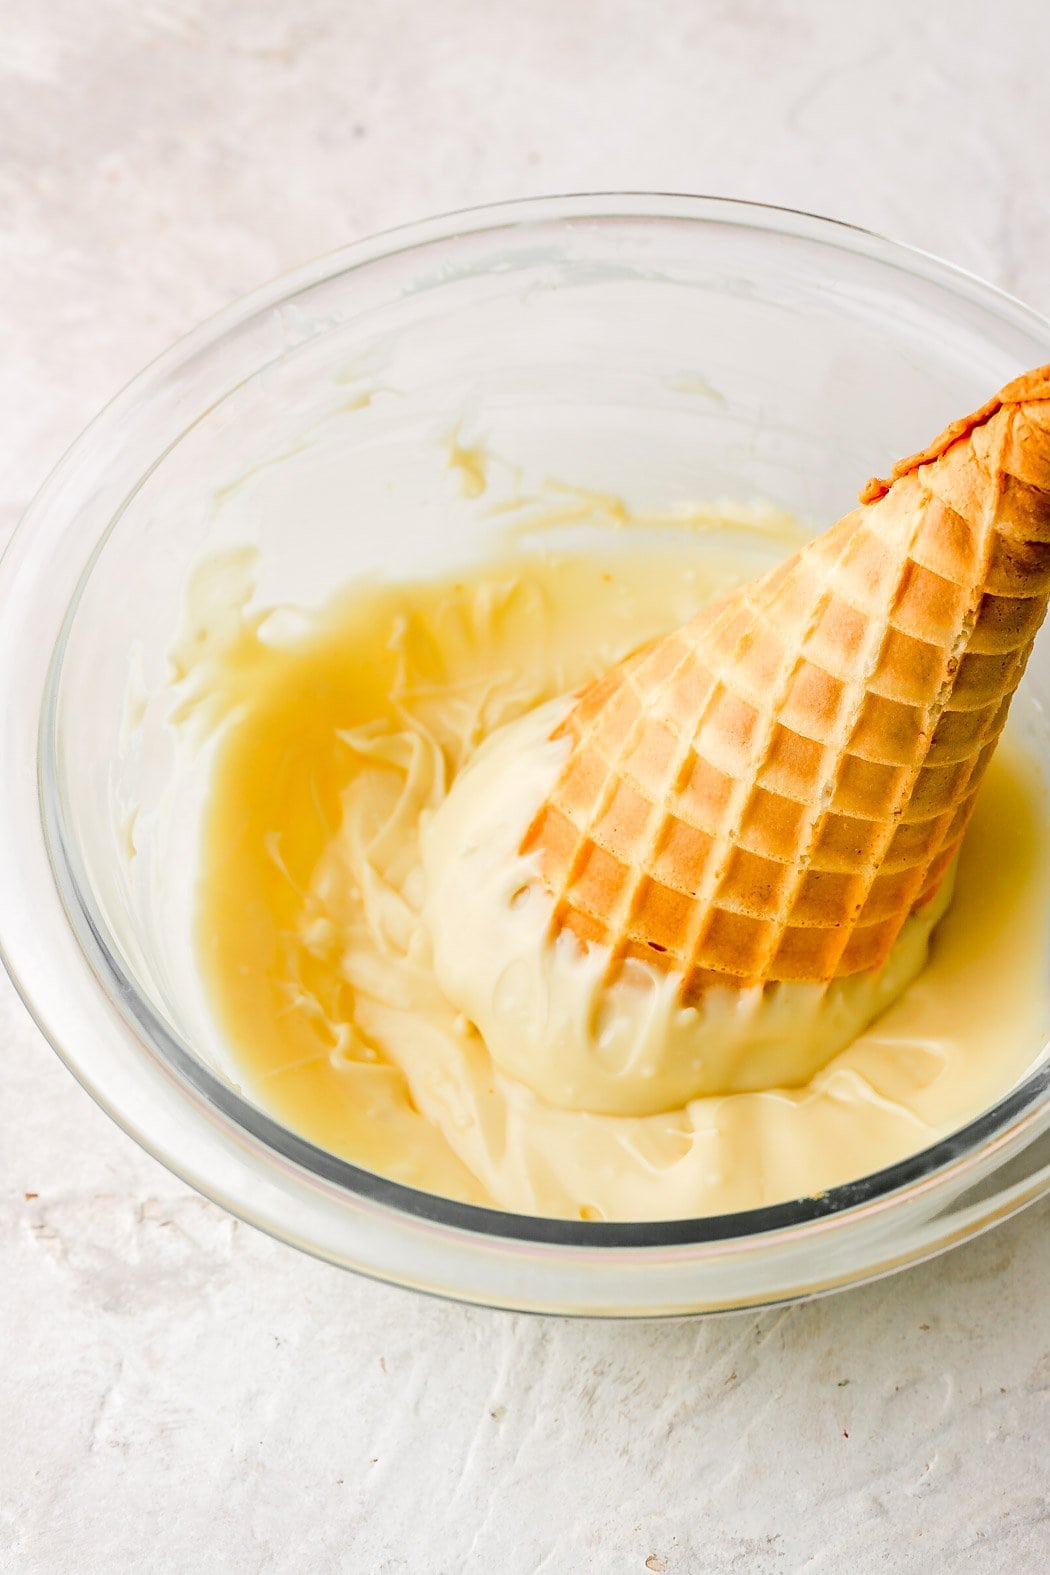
[{"x": 768, "y": 792}]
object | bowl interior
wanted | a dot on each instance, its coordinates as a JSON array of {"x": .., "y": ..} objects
[{"x": 387, "y": 418}]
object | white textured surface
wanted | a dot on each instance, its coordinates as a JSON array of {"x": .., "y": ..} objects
[{"x": 178, "y": 1393}]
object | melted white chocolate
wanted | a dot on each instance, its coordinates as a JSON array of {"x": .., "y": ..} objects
[{"x": 341, "y": 735}]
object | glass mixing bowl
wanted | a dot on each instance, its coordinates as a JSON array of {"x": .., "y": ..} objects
[{"x": 657, "y": 348}]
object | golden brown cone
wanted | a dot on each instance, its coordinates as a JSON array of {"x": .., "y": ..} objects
[{"x": 767, "y": 792}]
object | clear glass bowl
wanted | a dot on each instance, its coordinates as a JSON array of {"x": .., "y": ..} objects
[{"x": 657, "y": 348}]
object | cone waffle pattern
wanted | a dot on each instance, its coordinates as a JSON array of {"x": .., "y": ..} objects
[{"x": 768, "y": 792}]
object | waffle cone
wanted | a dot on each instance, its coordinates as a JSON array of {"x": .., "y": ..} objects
[{"x": 769, "y": 791}]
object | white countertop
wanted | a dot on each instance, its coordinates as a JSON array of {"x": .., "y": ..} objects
[{"x": 177, "y": 1392}]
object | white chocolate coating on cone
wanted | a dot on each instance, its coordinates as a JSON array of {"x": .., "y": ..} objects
[{"x": 544, "y": 1006}]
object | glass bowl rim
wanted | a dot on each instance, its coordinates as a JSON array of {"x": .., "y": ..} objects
[{"x": 998, "y": 1126}]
